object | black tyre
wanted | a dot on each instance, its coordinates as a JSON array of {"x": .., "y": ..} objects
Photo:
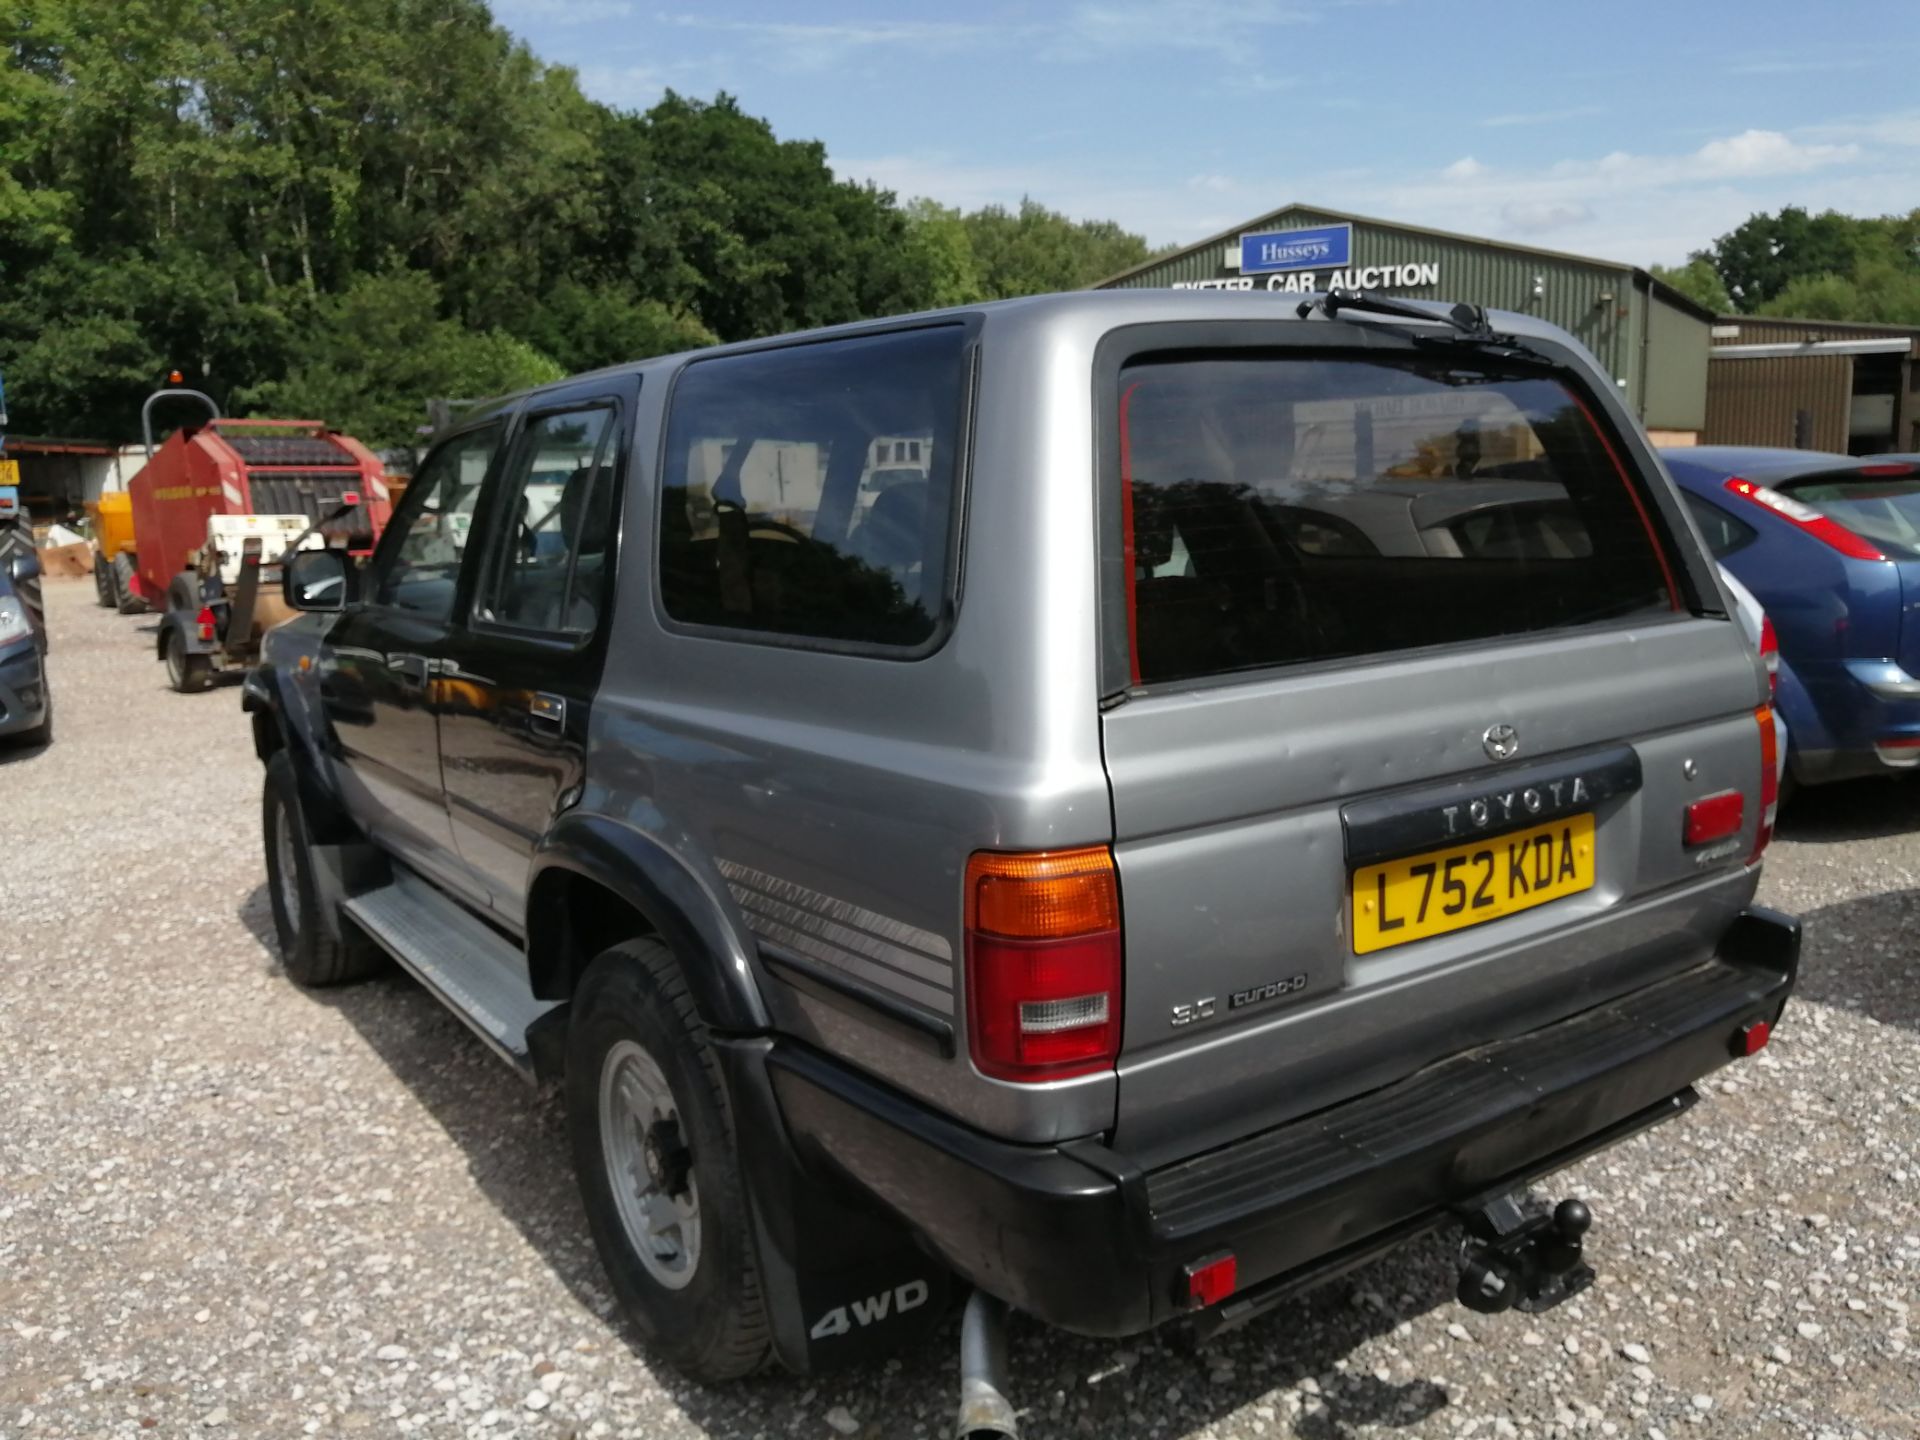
[
  {"x": 184, "y": 593},
  {"x": 125, "y": 600},
  {"x": 41, "y": 734},
  {"x": 310, "y": 955},
  {"x": 653, "y": 1150},
  {"x": 186, "y": 672},
  {"x": 103, "y": 581}
]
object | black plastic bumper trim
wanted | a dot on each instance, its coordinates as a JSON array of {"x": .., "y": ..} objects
[{"x": 1078, "y": 1236}]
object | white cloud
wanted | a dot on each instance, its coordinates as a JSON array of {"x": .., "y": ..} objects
[
  {"x": 808, "y": 46},
  {"x": 1541, "y": 117},
  {"x": 1768, "y": 152},
  {"x": 1639, "y": 208},
  {"x": 1537, "y": 217},
  {"x": 560, "y": 12},
  {"x": 1902, "y": 128},
  {"x": 627, "y": 87},
  {"x": 1222, "y": 26}
]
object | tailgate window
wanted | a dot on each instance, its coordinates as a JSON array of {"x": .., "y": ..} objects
[
  {"x": 1880, "y": 502},
  {"x": 1284, "y": 509}
]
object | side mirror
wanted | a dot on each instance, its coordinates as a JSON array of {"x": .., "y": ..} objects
[
  {"x": 23, "y": 567},
  {"x": 316, "y": 580}
]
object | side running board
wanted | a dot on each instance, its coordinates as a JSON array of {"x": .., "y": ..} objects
[{"x": 466, "y": 964}]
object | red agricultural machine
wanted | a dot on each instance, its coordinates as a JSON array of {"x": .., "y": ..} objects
[{"x": 216, "y": 506}]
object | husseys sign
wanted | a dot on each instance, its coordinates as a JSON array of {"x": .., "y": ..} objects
[{"x": 1316, "y": 258}]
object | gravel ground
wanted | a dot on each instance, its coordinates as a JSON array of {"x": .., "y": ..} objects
[{"x": 230, "y": 1207}]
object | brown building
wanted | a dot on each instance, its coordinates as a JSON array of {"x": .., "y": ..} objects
[{"x": 1814, "y": 385}]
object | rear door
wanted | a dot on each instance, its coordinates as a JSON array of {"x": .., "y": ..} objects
[
  {"x": 1376, "y": 802},
  {"x": 514, "y": 694},
  {"x": 384, "y": 651}
]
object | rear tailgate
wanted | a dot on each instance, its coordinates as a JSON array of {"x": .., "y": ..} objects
[
  {"x": 1877, "y": 507},
  {"x": 1419, "y": 705}
]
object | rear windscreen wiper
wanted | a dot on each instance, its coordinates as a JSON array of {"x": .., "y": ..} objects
[{"x": 1469, "y": 322}]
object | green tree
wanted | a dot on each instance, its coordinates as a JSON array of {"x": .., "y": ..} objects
[
  {"x": 1698, "y": 281},
  {"x": 350, "y": 207},
  {"x": 942, "y": 254},
  {"x": 1877, "y": 291},
  {"x": 1034, "y": 250},
  {"x": 377, "y": 352},
  {"x": 1766, "y": 253}
]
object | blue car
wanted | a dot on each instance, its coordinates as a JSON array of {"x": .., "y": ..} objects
[
  {"x": 26, "y": 707},
  {"x": 1831, "y": 546}
]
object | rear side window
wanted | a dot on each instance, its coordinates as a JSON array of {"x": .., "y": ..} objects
[
  {"x": 1721, "y": 531},
  {"x": 809, "y": 491},
  {"x": 1284, "y": 509}
]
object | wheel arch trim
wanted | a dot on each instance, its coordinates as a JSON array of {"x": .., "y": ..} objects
[
  {"x": 717, "y": 957},
  {"x": 264, "y": 696}
]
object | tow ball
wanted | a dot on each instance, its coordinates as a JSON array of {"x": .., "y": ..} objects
[{"x": 1518, "y": 1256}]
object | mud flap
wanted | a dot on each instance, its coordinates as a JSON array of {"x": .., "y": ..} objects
[{"x": 845, "y": 1283}]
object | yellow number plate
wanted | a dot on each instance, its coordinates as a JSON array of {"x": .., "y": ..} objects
[{"x": 1464, "y": 885}]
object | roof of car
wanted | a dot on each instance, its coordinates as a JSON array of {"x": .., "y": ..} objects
[
  {"x": 1132, "y": 306},
  {"x": 1757, "y": 460}
]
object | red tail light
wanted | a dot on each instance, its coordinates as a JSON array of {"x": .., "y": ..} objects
[
  {"x": 204, "y": 620},
  {"x": 1751, "y": 1039},
  {"x": 1806, "y": 518},
  {"x": 1212, "y": 1280},
  {"x": 1769, "y": 780},
  {"x": 1043, "y": 963},
  {"x": 351, "y": 497},
  {"x": 1770, "y": 654}
]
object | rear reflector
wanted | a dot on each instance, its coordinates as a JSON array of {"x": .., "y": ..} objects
[
  {"x": 1715, "y": 817},
  {"x": 1211, "y": 1280},
  {"x": 1899, "y": 751},
  {"x": 1806, "y": 518},
  {"x": 1043, "y": 963},
  {"x": 1769, "y": 780},
  {"x": 1751, "y": 1039}
]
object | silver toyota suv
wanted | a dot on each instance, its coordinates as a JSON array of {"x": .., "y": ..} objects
[{"x": 1132, "y": 802}]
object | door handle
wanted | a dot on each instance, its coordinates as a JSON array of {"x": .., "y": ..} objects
[
  {"x": 413, "y": 669},
  {"x": 547, "y": 714}
]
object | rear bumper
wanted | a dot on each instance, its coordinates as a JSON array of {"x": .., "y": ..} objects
[
  {"x": 23, "y": 686},
  {"x": 1077, "y": 1236}
]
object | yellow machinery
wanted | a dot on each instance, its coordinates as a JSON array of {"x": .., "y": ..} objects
[{"x": 112, "y": 523}]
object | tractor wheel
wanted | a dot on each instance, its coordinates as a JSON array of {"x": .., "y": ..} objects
[
  {"x": 103, "y": 581},
  {"x": 125, "y": 598}
]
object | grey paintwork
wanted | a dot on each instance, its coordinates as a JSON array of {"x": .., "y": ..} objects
[
  {"x": 829, "y": 802},
  {"x": 864, "y": 784}
]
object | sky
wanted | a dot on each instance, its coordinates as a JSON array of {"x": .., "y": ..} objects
[{"x": 1628, "y": 130}]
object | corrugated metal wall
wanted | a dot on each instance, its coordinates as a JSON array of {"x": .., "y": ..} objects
[
  {"x": 1765, "y": 330},
  {"x": 1473, "y": 271},
  {"x": 1754, "y": 401},
  {"x": 1675, "y": 393}
]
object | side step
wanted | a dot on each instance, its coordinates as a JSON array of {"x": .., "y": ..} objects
[{"x": 466, "y": 964}]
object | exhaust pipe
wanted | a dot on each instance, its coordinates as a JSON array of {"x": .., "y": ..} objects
[{"x": 985, "y": 1411}]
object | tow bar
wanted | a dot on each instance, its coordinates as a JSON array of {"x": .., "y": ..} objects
[{"x": 1517, "y": 1256}]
